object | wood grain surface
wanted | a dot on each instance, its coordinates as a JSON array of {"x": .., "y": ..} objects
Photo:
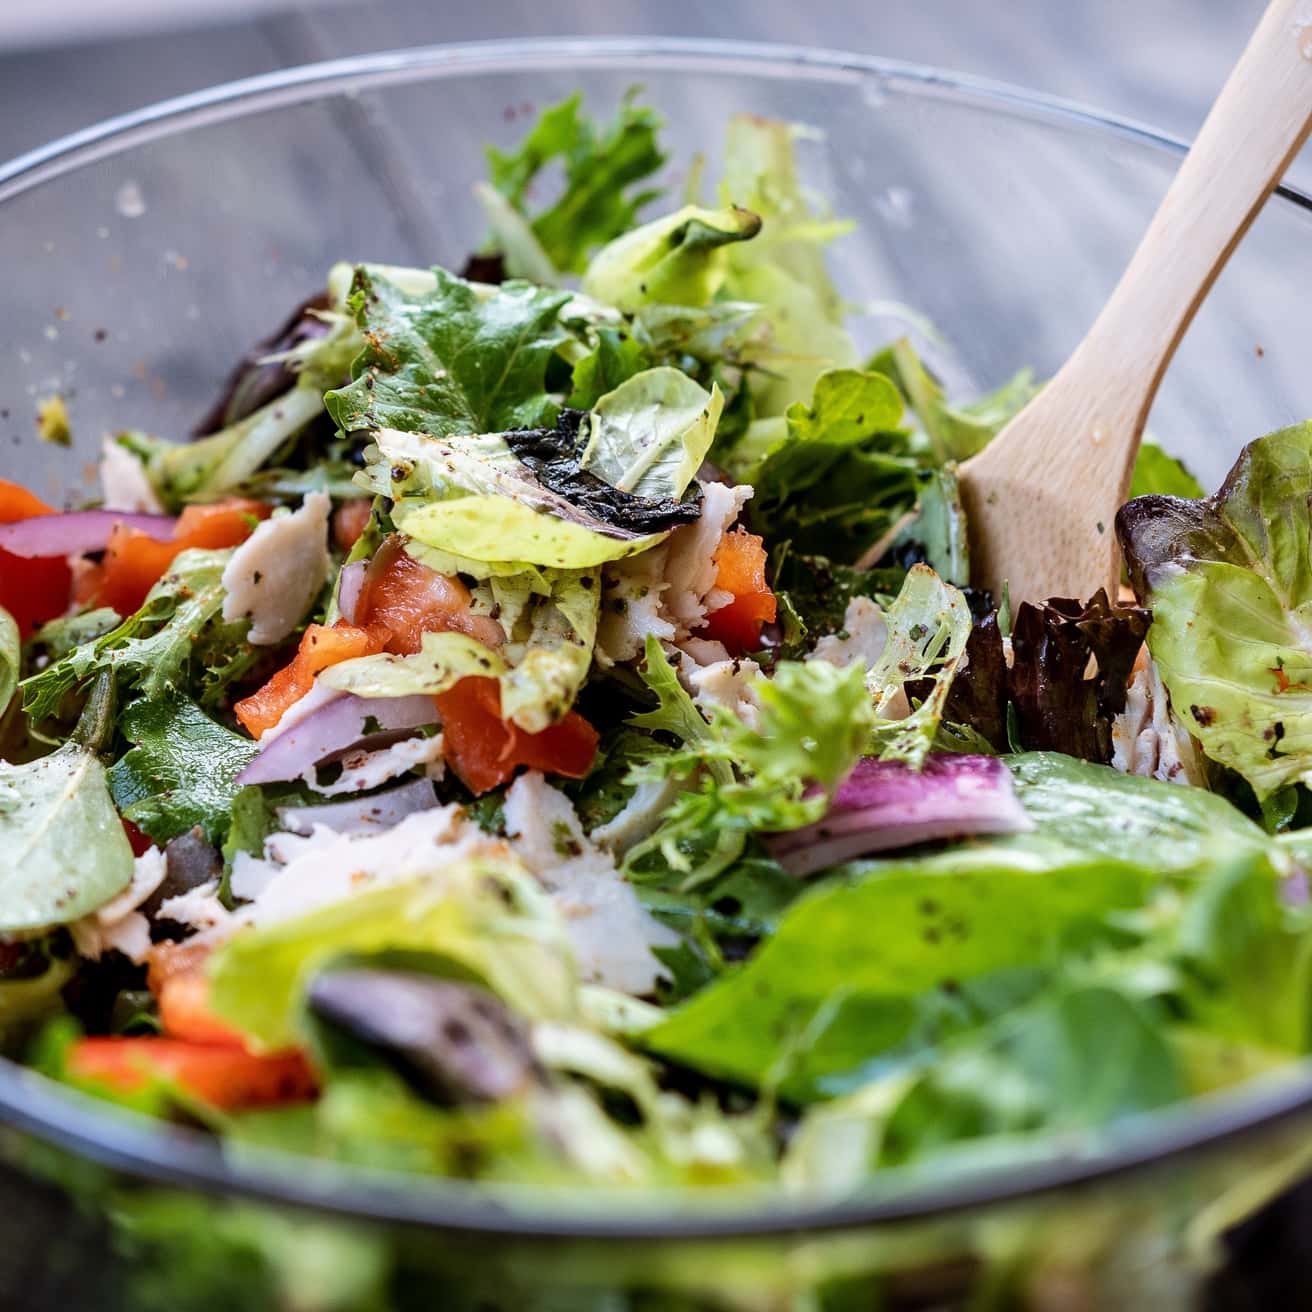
[{"x": 1160, "y": 61}]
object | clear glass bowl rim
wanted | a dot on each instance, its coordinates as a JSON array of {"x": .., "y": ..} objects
[{"x": 147, "y": 1150}]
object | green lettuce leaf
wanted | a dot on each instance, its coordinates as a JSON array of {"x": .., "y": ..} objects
[
  {"x": 866, "y": 975},
  {"x": 814, "y": 722},
  {"x": 182, "y": 472},
  {"x": 1229, "y": 582},
  {"x": 603, "y": 167},
  {"x": 681, "y": 259},
  {"x": 155, "y": 650},
  {"x": 65, "y": 850},
  {"x": 11, "y": 659},
  {"x": 450, "y": 361},
  {"x": 784, "y": 270},
  {"x": 832, "y": 477},
  {"x": 1156, "y": 473},
  {"x": 615, "y": 358},
  {"x": 476, "y": 499},
  {"x": 650, "y": 435},
  {"x": 1033, "y": 1069},
  {"x": 541, "y": 669},
  {"x": 951, "y": 432},
  {"x": 1125, "y": 817},
  {"x": 928, "y": 626},
  {"x": 492, "y": 919},
  {"x": 1248, "y": 955},
  {"x": 181, "y": 770}
]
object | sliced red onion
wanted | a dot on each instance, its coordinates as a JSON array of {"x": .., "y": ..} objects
[
  {"x": 338, "y": 725},
  {"x": 885, "y": 804},
  {"x": 357, "y": 815},
  {"x": 349, "y": 588},
  {"x": 77, "y": 532}
]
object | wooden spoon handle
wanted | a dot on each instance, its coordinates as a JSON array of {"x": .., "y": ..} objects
[{"x": 1255, "y": 128}]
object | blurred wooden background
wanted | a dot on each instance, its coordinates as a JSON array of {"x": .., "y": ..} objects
[{"x": 67, "y": 63}]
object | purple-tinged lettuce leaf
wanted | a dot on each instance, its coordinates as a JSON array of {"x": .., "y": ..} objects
[{"x": 1066, "y": 681}]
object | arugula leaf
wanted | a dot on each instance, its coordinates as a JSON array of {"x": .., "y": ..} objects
[
  {"x": 541, "y": 669},
  {"x": 1229, "y": 582},
  {"x": 59, "y": 637},
  {"x": 1156, "y": 472},
  {"x": 181, "y": 770},
  {"x": 865, "y": 975},
  {"x": 928, "y": 626},
  {"x": 650, "y": 435},
  {"x": 11, "y": 659},
  {"x": 936, "y": 534},
  {"x": 151, "y": 651},
  {"x": 450, "y": 361},
  {"x": 680, "y": 259},
  {"x": 602, "y": 168},
  {"x": 65, "y": 851}
]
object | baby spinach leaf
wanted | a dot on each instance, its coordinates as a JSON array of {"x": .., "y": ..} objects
[{"x": 865, "y": 974}]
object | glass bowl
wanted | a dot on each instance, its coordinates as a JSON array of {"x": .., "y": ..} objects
[{"x": 142, "y": 256}]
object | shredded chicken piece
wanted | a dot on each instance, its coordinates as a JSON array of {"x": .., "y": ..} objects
[
  {"x": 1148, "y": 740},
  {"x": 861, "y": 640},
  {"x": 612, "y": 932}
]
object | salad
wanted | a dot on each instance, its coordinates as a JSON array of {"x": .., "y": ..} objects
[{"x": 541, "y": 729}]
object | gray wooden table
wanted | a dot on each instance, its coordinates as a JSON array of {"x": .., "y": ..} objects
[{"x": 1156, "y": 60}]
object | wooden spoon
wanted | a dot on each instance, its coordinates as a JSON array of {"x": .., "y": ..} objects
[{"x": 1041, "y": 499}]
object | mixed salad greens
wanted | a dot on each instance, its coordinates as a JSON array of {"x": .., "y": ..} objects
[{"x": 541, "y": 729}]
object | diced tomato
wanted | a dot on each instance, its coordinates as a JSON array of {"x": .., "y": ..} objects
[
  {"x": 350, "y": 519},
  {"x": 139, "y": 842},
  {"x": 740, "y": 569},
  {"x": 134, "y": 561},
  {"x": 483, "y": 749},
  {"x": 185, "y": 1012},
  {"x": 225, "y": 1077},
  {"x": 322, "y": 645},
  {"x": 32, "y": 589},
  {"x": 409, "y": 599}
]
